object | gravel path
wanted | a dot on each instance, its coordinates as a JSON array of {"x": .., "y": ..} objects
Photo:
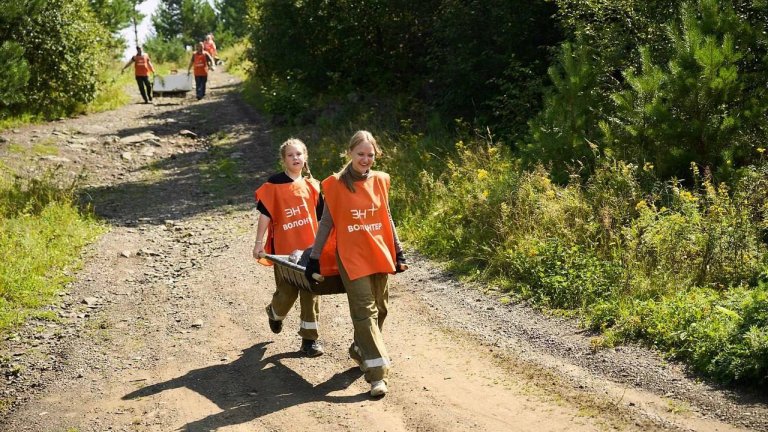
[{"x": 161, "y": 328}]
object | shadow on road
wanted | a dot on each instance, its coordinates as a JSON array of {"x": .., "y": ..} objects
[
  {"x": 253, "y": 386},
  {"x": 193, "y": 181}
]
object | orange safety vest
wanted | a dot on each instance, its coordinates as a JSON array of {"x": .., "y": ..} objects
[
  {"x": 200, "y": 64},
  {"x": 210, "y": 47},
  {"x": 293, "y": 224},
  {"x": 364, "y": 236},
  {"x": 141, "y": 65}
]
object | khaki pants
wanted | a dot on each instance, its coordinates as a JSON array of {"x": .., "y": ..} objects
[
  {"x": 368, "y": 297},
  {"x": 283, "y": 300}
]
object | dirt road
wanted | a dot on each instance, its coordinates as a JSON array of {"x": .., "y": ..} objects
[{"x": 163, "y": 328}]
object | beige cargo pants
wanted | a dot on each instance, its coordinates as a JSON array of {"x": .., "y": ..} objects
[
  {"x": 368, "y": 297},
  {"x": 283, "y": 300}
]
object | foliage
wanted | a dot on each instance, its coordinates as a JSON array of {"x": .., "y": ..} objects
[
  {"x": 14, "y": 76},
  {"x": 167, "y": 19},
  {"x": 440, "y": 51},
  {"x": 324, "y": 44},
  {"x": 188, "y": 20},
  {"x": 63, "y": 46},
  {"x": 566, "y": 130},
  {"x": 484, "y": 58},
  {"x": 691, "y": 89},
  {"x": 629, "y": 253},
  {"x": 166, "y": 51},
  {"x": 41, "y": 234},
  {"x": 234, "y": 20},
  {"x": 112, "y": 94},
  {"x": 698, "y": 108},
  {"x": 116, "y": 15},
  {"x": 236, "y": 57},
  {"x": 615, "y": 28},
  {"x": 723, "y": 334}
]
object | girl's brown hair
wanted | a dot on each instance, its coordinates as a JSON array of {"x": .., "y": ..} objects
[
  {"x": 296, "y": 143},
  {"x": 358, "y": 138}
]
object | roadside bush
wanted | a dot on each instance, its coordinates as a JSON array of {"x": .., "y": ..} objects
[
  {"x": 284, "y": 98},
  {"x": 722, "y": 334},
  {"x": 65, "y": 47},
  {"x": 637, "y": 258},
  {"x": 236, "y": 57},
  {"x": 560, "y": 277},
  {"x": 704, "y": 238},
  {"x": 15, "y": 76}
]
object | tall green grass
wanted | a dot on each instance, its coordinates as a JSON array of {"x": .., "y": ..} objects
[
  {"x": 680, "y": 268},
  {"x": 676, "y": 266},
  {"x": 42, "y": 232},
  {"x": 235, "y": 59}
]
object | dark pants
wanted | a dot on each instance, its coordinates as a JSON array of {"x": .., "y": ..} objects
[
  {"x": 145, "y": 88},
  {"x": 200, "y": 86}
]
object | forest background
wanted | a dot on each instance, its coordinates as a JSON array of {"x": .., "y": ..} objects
[{"x": 603, "y": 160}]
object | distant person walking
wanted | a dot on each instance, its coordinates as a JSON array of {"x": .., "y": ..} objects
[
  {"x": 201, "y": 60},
  {"x": 210, "y": 47},
  {"x": 142, "y": 66}
]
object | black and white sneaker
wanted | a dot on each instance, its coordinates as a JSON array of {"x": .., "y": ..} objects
[{"x": 311, "y": 348}]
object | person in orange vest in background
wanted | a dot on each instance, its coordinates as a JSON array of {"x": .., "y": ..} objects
[
  {"x": 368, "y": 250},
  {"x": 210, "y": 47},
  {"x": 290, "y": 205},
  {"x": 142, "y": 66},
  {"x": 201, "y": 61}
]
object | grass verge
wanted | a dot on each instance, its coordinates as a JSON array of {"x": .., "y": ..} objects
[{"x": 42, "y": 233}]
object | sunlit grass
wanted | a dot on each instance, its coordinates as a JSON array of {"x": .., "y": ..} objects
[
  {"x": 42, "y": 232},
  {"x": 46, "y": 147},
  {"x": 236, "y": 61}
]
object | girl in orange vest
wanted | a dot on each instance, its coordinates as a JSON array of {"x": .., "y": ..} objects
[
  {"x": 368, "y": 250},
  {"x": 290, "y": 205}
]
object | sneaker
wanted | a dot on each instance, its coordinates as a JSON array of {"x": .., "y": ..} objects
[
  {"x": 311, "y": 348},
  {"x": 379, "y": 388},
  {"x": 354, "y": 354},
  {"x": 274, "y": 325}
]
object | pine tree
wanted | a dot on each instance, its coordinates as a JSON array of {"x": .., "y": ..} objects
[
  {"x": 696, "y": 107},
  {"x": 167, "y": 19},
  {"x": 115, "y": 15},
  {"x": 189, "y": 20},
  {"x": 566, "y": 131}
]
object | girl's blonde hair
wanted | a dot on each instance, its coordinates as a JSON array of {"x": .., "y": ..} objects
[
  {"x": 296, "y": 143},
  {"x": 361, "y": 136}
]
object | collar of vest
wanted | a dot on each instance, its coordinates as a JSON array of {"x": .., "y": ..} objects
[{"x": 357, "y": 176}]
